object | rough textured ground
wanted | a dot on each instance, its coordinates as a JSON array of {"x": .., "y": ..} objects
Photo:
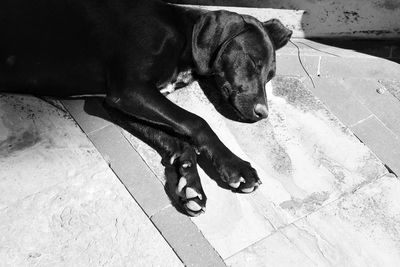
[
  {"x": 61, "y": 205},
  {"x": 307, "y": 161}
]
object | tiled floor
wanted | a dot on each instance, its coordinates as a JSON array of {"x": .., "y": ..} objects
[
  {"x": 60, "y": 203},
  {"x": 326, "y": 199}
]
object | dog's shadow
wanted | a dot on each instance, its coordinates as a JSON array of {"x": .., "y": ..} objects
[{"x": 95, "y": 106}]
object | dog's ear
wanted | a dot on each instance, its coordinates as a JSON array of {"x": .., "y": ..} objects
[
  {"x": 279, "y": 34},
  {"x": 209, "y": 32}
]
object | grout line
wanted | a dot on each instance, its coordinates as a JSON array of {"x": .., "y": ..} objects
[
  {"x": 319, "y": 66},
  {"x": 252, "y": 244},
  {"x": 395, "y": 135},
  {"x": 148, "y": 215},
  {"x": 387, "y": 128},
  {"x": 298, "y": 248},
  {"x": 170, "y": 243},
  {"x": 363, "y": 120},
  {"x": 293, "y": 223},
  {"x": 372, "y": 115},
  {"x": 96, "y": 130},
  {"x": 145, "y": 162},
  {"x": 265, "y": 238},
  {"x": 340, "y": 197},
  {"x": 159, "y": 211}
]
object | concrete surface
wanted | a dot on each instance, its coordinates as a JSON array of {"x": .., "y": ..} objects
[
  {"x": 301, "y": 143},
  {"x": 374, "y": 19},
  {"x": 360, "y": 229},
  {"x": 326, "y": 200},
  {"x": 61, "y": 205},
  {"x": 305, "y": 157},
  {"x": 182, "y": 235},
  {"x": 349, "y": 83}
]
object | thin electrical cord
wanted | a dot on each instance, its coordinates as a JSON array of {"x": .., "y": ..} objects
[
  {"x": 301, "y": 63},
  {"x": 319, "y": 50}
]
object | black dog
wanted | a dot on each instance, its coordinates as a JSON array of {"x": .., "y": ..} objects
[{"x": 129, "y": 50}]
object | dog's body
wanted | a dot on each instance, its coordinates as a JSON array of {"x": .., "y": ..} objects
[
  {"x": 129, "y": 50},
  {"x": 71, "y": 47}
]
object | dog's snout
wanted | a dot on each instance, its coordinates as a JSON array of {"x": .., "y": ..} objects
[{"x": 261, "y": 111}]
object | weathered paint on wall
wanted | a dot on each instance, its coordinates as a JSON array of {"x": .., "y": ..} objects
[{"x": 320, "y": 18}]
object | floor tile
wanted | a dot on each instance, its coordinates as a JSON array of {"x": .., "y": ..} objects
[
  {"x": 130, "y": 168},
  {"x": 337, "y": 48},
  {"x": 61, "y": 203},
  {"x": 305, "y": 157},
  {"x": 377, "y": 68},
  {"x": 34, "y": 135},
  {"x": 275, "y": 250},
  {"x": 84, "y": 110},
  {"x": 88, "y": 220},
  {"x": 381, "y": 141},
  {"x": 187, "y": 241},
  {"x": 385, "y": 106},
  {"x": 290, "y": 65},
  {"x": 231, "y": 221},
  {"x": 361, "y": 229},
  {"x": 339, "y": 100}
]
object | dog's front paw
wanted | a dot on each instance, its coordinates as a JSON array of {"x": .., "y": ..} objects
[
  {"x": 238, "y": 174},
  {"x": 186, "y": 187},
  {"x": 193, "y": 202}
]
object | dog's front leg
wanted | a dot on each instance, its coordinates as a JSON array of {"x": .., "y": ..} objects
[
  {"x": 178, "y": 157},
  {"x": 147, "y": 103}
]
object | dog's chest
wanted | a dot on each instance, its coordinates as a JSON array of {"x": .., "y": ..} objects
[{"x": 178, "y": 80}]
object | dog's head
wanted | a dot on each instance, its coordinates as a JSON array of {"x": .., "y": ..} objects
[{"x": 238, "y": 51}]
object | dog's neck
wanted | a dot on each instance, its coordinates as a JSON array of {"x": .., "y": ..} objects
[{"x": 188, "y": 17}]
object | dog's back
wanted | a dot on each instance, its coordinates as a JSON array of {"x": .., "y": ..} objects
[
  {"x": 61, "y": 47},
  {"x": 44, "y": 45}
]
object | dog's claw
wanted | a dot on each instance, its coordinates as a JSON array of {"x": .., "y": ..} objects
[
  {"x": 191, "y": 193},
  {"x": 186, "y": 165},
  {"x": 235, "y": 185},
  {"x": 193, "y": 206},
  {"x": 247, "y": 190},
  {"x": 182, "y": 183},
  {"x": 173, "y": 158}
]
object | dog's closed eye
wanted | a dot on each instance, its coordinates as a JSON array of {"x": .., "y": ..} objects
[{"x": 257, "y": 64}]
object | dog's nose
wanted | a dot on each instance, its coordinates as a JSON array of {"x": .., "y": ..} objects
[{"x": 261, "y": 111}]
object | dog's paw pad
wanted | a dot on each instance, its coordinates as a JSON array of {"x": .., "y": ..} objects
[
  {"x": 186, "y": 164},
  {"x": 240, "y": 186},
  {"x": 191, "y": 193},
  {"x": 248, "y": 190},
  {"x": 193, "y": 206},
  {"x": 237, "y": 184},
  {"x": 181, "y": 184},
  {"x": 191, "y": 199}
]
